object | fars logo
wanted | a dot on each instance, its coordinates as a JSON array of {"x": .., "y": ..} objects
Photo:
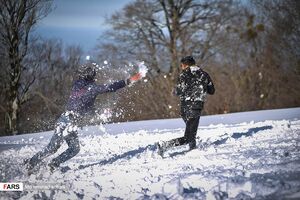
[{"x": 11, "y": 186}]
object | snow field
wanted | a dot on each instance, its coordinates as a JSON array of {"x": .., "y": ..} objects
[{"x": 246, "y": 160}]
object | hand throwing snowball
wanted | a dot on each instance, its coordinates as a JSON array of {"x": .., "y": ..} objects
[
  {"x": 81, "y": 101},
  {"x": 192, "y": 87}
]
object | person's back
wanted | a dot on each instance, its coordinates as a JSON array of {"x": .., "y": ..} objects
[
  {"x": 192, "y": 87},
  {"x": 81, "y": 98}
]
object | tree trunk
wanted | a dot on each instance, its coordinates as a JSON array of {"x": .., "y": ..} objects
[
  {"x": 11, "y": 117},
  {"x": 175, "y": 68},
  {"x": 14, "y": 117},
  {"x": 16, "y": 21},
  {"x": 13, "y": 102}
]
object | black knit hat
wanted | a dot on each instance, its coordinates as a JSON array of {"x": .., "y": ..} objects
[
  {"x": 87, "y": 71},
  {"x": 188, "y": 60}
]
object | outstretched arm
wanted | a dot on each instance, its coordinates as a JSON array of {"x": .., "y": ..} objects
[
  {"x": 110, "y": 87},
  {"x": 118, "y": 84}
]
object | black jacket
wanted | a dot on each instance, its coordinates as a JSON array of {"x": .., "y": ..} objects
[
  {"x": 192, "y": 87},
  {"x": 84, "y": 93}
]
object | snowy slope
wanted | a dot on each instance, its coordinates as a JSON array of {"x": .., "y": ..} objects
[{"x": 251, "y": 155}]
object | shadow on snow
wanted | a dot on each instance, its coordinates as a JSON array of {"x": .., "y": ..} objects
[
  {"x": 150, "y": 147},
  {"x": 126, "y": 155},
  {"x": 204, "y": 145},
  {"x": 249, "y": 133}
]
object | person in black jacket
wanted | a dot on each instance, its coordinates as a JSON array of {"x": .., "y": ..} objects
[
  {"x": 192, "y": 87},
  {"x": 81, "y": 102}
]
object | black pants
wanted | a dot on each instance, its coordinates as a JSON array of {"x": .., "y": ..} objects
[
  {"x": 189, "y": 134},
  {"x": 65, "y": 131}
]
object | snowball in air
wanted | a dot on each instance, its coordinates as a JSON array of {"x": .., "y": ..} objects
[
  {"x": 87, "y": 57},
  {"x": 143, "y": 69}
]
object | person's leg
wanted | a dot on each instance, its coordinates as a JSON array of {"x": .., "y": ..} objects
[
  {"x": 50, "y": 149},
  {"x": 174, "y": 142},
  {"x": 191, "y": 131},
  {"x": 54, "y": 144},
  {"x": 73, "y": 149}
]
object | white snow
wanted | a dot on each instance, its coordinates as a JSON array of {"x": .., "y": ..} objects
[
  {"x": 143, "y": 69},
  {"x": 239, "y": 156}
]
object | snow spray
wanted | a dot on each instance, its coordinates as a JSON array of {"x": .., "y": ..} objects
[{"x": 143, "y": 69}]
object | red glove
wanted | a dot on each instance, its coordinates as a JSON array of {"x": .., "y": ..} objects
[{"x": 135, "y": 77}]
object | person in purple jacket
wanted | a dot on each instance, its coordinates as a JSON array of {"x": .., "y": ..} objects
[{"x": 81, "y": 101}]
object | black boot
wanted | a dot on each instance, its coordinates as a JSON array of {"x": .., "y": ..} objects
[
  {"x": 192, "y": 145},
  {"x": 161, "y": 148}
]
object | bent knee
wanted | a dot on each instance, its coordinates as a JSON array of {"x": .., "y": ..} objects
[
  {"x": 52, "y": 149},
  {"x": 76, "y": 149}
]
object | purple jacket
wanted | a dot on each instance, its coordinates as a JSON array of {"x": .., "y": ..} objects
[{"x": 84, "y": 93}]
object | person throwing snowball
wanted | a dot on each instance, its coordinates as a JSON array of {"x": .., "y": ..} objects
[{"x": 81, "y": 101}]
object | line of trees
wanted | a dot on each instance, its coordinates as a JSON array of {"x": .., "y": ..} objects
[{"x": 250, "y": 48}]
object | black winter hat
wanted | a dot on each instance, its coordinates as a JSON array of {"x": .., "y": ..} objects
[
  {"x": 188, "y": 60},
  {"x": 87, "y": 71}
]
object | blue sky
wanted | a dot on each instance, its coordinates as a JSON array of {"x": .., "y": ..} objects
[{"x": 78, "y": 22}]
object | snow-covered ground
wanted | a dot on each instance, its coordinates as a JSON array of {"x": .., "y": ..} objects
[{"x": 251, "y": 155}]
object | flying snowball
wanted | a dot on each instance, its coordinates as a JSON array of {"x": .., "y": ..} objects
[{"x": 143, "y": 69}]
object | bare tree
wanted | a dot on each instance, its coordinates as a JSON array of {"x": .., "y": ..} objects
[
  {"x": 49, "y": 93},
  {"x": 17, "y": 18},
  {"x": 160, "y": 32}
]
